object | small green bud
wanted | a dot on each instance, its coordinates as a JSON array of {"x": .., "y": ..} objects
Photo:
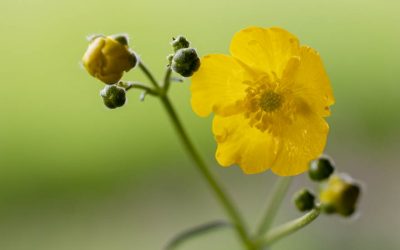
[
  {"x": 121, "y": 38},
  {"x": 113, "y": 96},
  {"x": 321, "y": 169},
  {"x": 180, "y": 43},
  {"x": 185, "y": 62},
  {"x": 304, "y": 200},
  {"x": 340, "y": 195}
]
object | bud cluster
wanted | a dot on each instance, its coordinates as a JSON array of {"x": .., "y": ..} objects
[
  {"x": 185, "y": 60},
  {"x": 338, "y": 193},
  {"x": 107, "y": 59}
]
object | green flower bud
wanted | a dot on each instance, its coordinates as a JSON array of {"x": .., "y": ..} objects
[
  {"x": 121, "y": 38},
  {"x": 321, "y": 169},
  {"x": 180, "y": 43},
  {"x": 340, "y": 195},
  {"x": 185, "y": 62},
  {"x": 113, "y": 96},
  {"x": 304, "y": 200}
]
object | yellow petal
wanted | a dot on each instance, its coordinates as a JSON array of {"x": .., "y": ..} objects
[
  {"x": 267, "y": 50},
  {"x": 218, "y": 86},
  {"x": 301, "y": 142},
  {"x": 308, "y": 80},
  {"x": 93, "y": 59},
  {"x": 119, "y": 57},
  {"x": 238, "y": 143}
]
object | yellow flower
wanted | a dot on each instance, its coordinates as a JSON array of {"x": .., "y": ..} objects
[
  {"x": 269, "y": 97},
  {"x": 107, "y": 59}
]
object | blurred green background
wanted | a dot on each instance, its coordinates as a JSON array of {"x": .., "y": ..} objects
[{"x": 74, "y": 175}]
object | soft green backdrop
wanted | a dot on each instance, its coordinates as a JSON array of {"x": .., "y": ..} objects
[{"x": 74, "y": 175}]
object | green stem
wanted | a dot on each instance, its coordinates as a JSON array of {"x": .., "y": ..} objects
[
  {"x": 167, "y": 80},
  {"x": 149, "y": 75},
  {"x": 289, "y": 227},
  {"x": 196, "y": 231},
  {"x": 278, "y": 194},
  {"x": 226, "y": 202},
  {"x": 136, "y": 85},
  {"x": 211, "y": 180}
]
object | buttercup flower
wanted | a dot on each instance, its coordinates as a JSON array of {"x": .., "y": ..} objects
[
  {"x": 107, "y": 58},
  {"x": 270, "y": 97}
]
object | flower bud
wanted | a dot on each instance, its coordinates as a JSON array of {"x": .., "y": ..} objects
[
  {"x": 180, "y": 43},
  {"x": 107, "y": 58},
  {"x": 113, "y": 96},
  {"x": 304, "y": 200},
  {"x": 340, "y": 195},
  {"x": 185, "y": 62},
  {"x": 321, "y": 169}
]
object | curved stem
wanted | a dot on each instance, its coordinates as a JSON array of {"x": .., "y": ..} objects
[
  {"x": 149, "y": 75},
  {"x": 137, "y": 85},
  {"x": 289, "y": 227},
  {"x": 280, "y": 188},
  {"x": 211, "y": 180},
  {"x": 196, "y": 231}
]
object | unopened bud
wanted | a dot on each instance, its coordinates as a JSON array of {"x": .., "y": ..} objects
[
  {"x": 340, "y": 195},
  {"x": 185, "y": 62},
  {"x": 304, "y": 200},
  {"x": 121, "y": 38},
  {"x": 107, "y": 58},
  {"x": 180, "y": 43},
  {"x": 321, "y": 169},
  {"x": 113, "y": 96}
]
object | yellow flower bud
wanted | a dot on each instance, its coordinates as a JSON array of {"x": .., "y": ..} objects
[
  {"x": 340, "y": 195},
  {"x": 107, "y": 59}
]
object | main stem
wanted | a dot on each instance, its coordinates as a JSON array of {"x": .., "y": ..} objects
[
  {"x": 211, "y": 180},
  {"x": 231, "y": 210}
]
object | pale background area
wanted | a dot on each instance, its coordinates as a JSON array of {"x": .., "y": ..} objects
[{"x": 76, "y": 176}]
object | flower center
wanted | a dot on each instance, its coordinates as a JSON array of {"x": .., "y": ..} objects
[
  {"x": 265, "y": 105},
  {"x": 270, "y": 101}
]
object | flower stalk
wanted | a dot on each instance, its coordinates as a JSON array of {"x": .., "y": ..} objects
[
  {"x": 214, "y": 184},
  {"x": 275, "y": 200},
  {"x": 289, "y": 228}
]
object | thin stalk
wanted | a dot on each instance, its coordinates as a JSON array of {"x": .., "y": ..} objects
[
  {"x": 289, "y": 227},
  {"x": 149, "y": 75},
  {"x": 230, "y": 209},
  {"x": 219, "y": 192},
  {"x": 194, "y": 232},
  {"x": 167, "y": 80},
  {"x": 136, "y": 85},
  {"x": 278, "y": 194}
]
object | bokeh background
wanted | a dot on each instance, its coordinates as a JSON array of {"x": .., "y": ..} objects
[{"x": 74, "y": 175}]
